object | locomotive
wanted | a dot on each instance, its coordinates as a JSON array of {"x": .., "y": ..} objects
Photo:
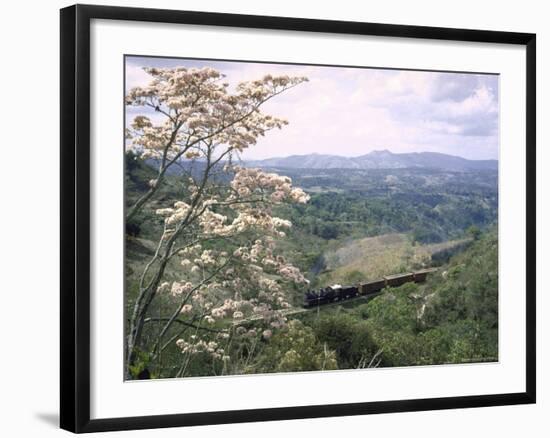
[{"x": 338, "y": 292}]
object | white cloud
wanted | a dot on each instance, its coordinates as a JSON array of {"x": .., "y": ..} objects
[{"x": 352, "y": 111}]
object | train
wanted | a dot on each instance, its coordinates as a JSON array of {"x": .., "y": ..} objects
[{"x": 338, "y": 292}]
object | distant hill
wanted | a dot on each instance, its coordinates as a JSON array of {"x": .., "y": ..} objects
[{"x": 377, "y": 160}]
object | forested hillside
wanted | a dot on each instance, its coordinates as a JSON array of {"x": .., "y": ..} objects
[
  {"x": 350, "y": 236},
  {"x": 453, "y": 318}
]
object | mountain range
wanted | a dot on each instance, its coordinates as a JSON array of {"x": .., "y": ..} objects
[{"x": 382, "y": 159}]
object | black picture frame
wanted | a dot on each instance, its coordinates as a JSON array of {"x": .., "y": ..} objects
[{"x": 75, "y": 217}]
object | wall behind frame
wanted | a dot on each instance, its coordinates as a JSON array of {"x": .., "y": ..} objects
[{"x": 29, "y": 181}]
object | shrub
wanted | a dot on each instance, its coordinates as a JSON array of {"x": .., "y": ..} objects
[
  {"x": 296, "y": 349},
  {"x": 348, "y": 337}
]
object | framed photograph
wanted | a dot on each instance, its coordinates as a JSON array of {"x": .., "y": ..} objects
[{"x": 268, "y": 218}]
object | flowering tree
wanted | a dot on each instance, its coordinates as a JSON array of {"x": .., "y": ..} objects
[
  {"x": 216, "y": 260},
  {"x": 199, "y": 113}
]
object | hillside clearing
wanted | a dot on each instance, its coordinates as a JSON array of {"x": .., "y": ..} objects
[{"x": 374, "y": 257}]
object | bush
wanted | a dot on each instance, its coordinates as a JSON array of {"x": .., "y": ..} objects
[
  {"x": 348, "y": 337},
  {"x": 296, "y": 349},
  {"x": 427, "y": 235},
  {"x": 395, "y": 310}
]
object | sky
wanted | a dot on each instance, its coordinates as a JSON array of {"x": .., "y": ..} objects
[{"x": 352, "y": 111}]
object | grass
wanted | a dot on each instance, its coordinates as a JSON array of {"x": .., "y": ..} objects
[{"x": 374, "y": 257}]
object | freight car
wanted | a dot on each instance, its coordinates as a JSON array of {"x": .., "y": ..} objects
[
  {"x": 399, "y": 279},
  {"x": 372, "y": 286},
  {"x": 420, "y": 276},
  {"x": 337, "y": 292}
]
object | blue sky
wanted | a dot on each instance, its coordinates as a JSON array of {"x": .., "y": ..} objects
[{"x": 353, "y": 111}]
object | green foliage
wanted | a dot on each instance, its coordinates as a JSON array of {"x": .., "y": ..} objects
[
  {"x": 451, "y": 319},
  {"x": 348, "y": 337},
  {"x": 141, "y": 363},
  {"x": 426, "y": 235},
  {"x": 468, "y": 289},
  {"x": 296, "y": 349},
  {"x": 434, "y": 205},
  {"x": 474, "y": 232},
  {"x": 454, "y": 320},
  {"x": 393, "y": 322},
  {"x": 395, "y": 310}
]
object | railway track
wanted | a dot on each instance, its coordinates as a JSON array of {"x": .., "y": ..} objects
[{"x": 302, "y": 310}]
